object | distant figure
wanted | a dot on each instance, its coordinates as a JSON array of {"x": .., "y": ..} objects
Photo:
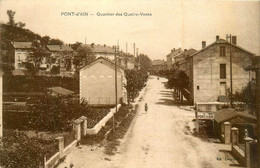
[
  {"x": 158, "y": 78},
  {"x": 146, "y": 107}
]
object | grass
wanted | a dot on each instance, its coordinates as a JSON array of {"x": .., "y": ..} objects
[{"x": 106, "y": 136}]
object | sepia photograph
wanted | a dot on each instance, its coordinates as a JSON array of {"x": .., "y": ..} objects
[{"x": 129, "y": 84}]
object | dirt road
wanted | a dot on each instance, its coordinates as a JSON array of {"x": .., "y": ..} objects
[{"x": 160, "y": 138}]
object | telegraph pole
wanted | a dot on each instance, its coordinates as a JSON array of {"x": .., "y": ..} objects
[
  {"x": 231, "y": 82},
  {"x": 134, "y": 49},
  {"x": 116, "y": 50}
]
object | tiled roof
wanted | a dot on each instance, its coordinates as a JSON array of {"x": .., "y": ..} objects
[
  {"x": 158, "y": 62},
  {"x": 22, "y": 44},
  {"x": 59, "y": 48},
  {"x": 175, "y": 52},
  {"x": 101, "y": 48},
  {"x": 189, "y": 52},
  {"x": 61, "y": 91},
  {"x": 227, "y": 114},
  {"x": 105, "y": 59}
]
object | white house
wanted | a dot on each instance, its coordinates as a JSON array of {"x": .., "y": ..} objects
[
  {"x": 97, "y": 83},
  {"x": 21, "y": 51}
]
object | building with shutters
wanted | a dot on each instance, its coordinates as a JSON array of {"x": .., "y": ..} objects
[{"x": 210, "y": 70}]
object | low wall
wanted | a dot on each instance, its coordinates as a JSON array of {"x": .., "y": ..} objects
[{"x": 102, "y": 123}]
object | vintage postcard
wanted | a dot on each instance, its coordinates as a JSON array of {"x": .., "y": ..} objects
[{"x": 129, "y": 84}]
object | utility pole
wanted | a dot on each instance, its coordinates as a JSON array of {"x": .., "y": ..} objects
[
  {"x": 138, "y": 58},
  {"x": 231, "y": 81},
  {"x": 134, "y": 49},
  {"x": 116, "y": 50},
  {"x": 126, "y": 48}
]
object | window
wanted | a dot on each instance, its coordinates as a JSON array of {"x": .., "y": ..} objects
[
  {"x": 19, "y": 65},
  {"x": 198, "y": 87},
  {"x": 222, "y": 51},
  {"x": 222, "y": 71}
]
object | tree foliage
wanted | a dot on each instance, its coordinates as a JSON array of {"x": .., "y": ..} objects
[
  {"x": 17, "y": 150},
  {"x": 136, "y": 80},
  {"x": 55, "y": 114},
  {"x": 84, "y": 56},
  {"x": 145, "y": 62},
  {"x": 177, "y": 79},
  {"x": 11, "y": 21}
]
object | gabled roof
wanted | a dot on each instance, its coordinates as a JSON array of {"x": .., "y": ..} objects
[
  {"x": 105, "y": 59},
  {"x": 59, "y": 48},
  {"x": 61, "y": 91},
  {"x": 175, "y": 52},
  {"x": 227, "y": 114},
  {"x": 25, "y": 45},
  {"x": 222, "y": 41},
  {"x": 189, "y": 52},
  {"x": 100, "y": 48}
]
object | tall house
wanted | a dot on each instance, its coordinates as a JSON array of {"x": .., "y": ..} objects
[
  {"x": 170, "y": 57},
  {"x": 211, "y": 70},
  {"x": 20, "y": 52}
]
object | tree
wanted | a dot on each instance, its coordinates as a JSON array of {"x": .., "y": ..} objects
[
  {"x": 55, "y": 70},
  {"x": 56, "y": 114},
  {"x": 11, "y": 21},
  {"x": 36, "y": 57},
  {"x": 84, "y": 56},
  {"x": 21, "y": 24},
  {"x": 55, "y": 42},
  {"x": 76, "y": 45},
  {"x": 45, "y": 40},
  {"x": 17, "y": 150},
  {"x": 145, "y": 62},
  {"x": 136, "y": 80}
]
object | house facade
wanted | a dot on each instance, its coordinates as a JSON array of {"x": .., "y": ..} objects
[
  {"x": 97, "y": 83},
  {"x": 61, "y": 55},
  {"x": 20, "y": 53},
  {"x": 101, "y": 50},
  {"x": 158, "y": 65},
  {"x": 210, "y": 69},
  {"x": 170, "y": 57}
]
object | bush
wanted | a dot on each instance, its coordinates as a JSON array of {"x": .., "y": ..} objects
[{"x": 17, "y": 150}]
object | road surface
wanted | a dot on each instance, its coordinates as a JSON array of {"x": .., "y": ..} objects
[{"x": 160, "y": 138}]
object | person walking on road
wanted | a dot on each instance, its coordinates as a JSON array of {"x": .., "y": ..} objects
[{"x": 146, "y": 107}]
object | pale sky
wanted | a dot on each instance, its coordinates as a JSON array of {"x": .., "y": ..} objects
[{"x": 173, "y": 23}]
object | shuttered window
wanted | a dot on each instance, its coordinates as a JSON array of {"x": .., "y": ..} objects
[
  {"x": 222, "y": 71},
  {"x": 222, "y": 51}
]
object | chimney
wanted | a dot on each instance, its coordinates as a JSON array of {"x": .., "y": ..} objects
[
  {"x": 234, "y": 40},
  {"x": 217, "y": 37},
  {"x": 173, "y": 49},
  {"x": 185, "y": 50},
  {"x": 203, "y": 44}
]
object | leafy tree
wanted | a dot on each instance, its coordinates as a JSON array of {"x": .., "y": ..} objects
[
  {"x": 21, "y": 24},
  {"x": 178, "y": 79},
  {"x": 55, "y": 70},
  {"x": 55, "y": 42},
  {"x": 84, "y": 56},
  {"x": 11, "y": 21},
  {"x": 136, "y": 80},
  {"x": 145, "y": 62},
  {"x": 76, "y": 45},
  {"x": 56, "y": 113},
  {"x": 45, "y": 40},
  {"x": 36, "y": 57},
  {"x": 17, "y": 150}
]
